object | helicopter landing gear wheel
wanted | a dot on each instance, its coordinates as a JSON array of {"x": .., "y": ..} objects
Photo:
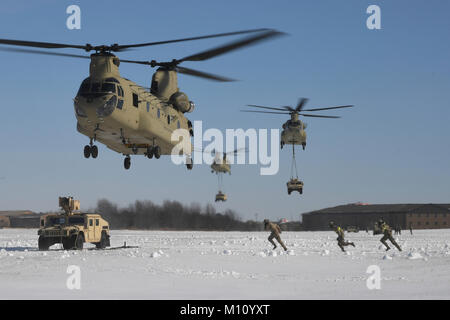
[
  {"x": 157, "y": 152},
  {"x": 94, "y": 152},
  {"x": 87, "y": 151},
  {"x": 303, "y": 146},
  {"x": 127, "y": 162},
  {"x": 150, "y": 152},
  {"x": 282, "y": 145}
]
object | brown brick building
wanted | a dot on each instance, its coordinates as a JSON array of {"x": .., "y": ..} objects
[{"x": 419, "y": 216}]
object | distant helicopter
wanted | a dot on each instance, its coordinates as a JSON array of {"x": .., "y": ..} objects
[
  {"x": 221, "y": 164},
  {"x": 294, "y": 129},
  {"x": 126, "y": 117}
]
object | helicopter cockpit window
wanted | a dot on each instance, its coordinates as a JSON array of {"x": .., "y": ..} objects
[
  {"x": 120, "y": 104},
  {"x": 120, "y": 91},
  {"x": 109, "y": 87},
  {"x": 84, "y": 88},
  {"x": 95, "y": 87},
  {"x": 112, "y": 80}
]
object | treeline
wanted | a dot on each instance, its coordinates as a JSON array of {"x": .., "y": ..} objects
[{"x": 172, "y": 215}]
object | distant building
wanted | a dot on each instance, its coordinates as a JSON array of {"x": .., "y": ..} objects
[
  {"x": 19, "y": 219},
  {"x": 362, "y": 215}
]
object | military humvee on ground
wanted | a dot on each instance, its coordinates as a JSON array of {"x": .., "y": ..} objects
[{"x": 72, "y": 229}]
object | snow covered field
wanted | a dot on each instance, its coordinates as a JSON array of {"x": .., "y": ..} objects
[{"x": 227, "y": 265}]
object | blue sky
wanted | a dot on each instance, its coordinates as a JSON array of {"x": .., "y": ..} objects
[{"x": 393, "y": 147}]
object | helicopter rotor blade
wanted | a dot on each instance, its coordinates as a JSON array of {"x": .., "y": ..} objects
[
  {"x": 44, "y": 52},
  {"x": 202, "y": 74},
  {"x": 208, "y": 54},
  {"x": 320, "y": 109},
  {"x": 274, "y": 112},
  {"x": 300, "y": 104},
  {"x": 263, "y": 107},
  {"x": 46, "y": 45},
  {"x": 318, "y": 116},
  {"x": 191, "y": 38}
]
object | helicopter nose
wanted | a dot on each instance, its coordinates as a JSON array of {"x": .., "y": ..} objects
[{"x": 100, "y": 107}]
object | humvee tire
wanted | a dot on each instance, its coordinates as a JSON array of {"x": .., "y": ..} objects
[
  {"x": 78, "y": 241},
  {"x": 103, "y": 241},
  {"x": 43, "y": 244}
]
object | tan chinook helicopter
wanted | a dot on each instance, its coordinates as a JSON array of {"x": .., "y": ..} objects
[
  {"x": 129, "y": 118},
  {"x": 294, "y": 129}
]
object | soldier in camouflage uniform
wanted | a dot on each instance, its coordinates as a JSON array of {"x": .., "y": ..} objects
[
  {"x": 387, "y": 235},
  {"x": 276, "y": 231},
  {"x": 340, "y": 239}
]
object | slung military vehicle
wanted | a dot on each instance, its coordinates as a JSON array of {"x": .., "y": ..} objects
[
  {"x": 73, "y": 229},
  {"x": 294, "y": 129},
  {"x": 129, "y": 118}
]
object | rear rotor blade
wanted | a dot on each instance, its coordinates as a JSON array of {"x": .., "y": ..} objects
[
  {"x": 202, "y": 74},
  {"x": 319, "y": 109},
  {"x": 318, "y": 116},
  {"x": 208, "y": 54},
  {"x": 300, "y": 104}
]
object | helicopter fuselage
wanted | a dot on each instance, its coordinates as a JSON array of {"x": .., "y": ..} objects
[
  {"x": 124, "y": 116},
  {"x": 223, "y": 167},
  {"x": 293, "y": 132}
]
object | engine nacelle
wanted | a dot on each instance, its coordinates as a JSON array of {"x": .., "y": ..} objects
[{"x": 181, "y": 102}]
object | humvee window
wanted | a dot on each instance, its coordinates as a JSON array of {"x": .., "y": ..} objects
[
  {"x": 90, "y": 223},
  {"x": 97, "y": 222},
  {"x": 76, "y": 220}
]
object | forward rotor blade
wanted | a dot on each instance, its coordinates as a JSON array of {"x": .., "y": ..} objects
[
  {"x": 44, "y": 52},
  {"x": 339, "y": 107},
  {"x": 208, "y": 54},
  {"x": 190, "y": 39},
  {"x": 318, "y": 116},
  {"x": 265, "y": 112},
  {"x": 47, "y": 45},
  {"x": 202, "y": 74},
  {"x": 263, "y": 107},
  {"x": 300, "y": 104}
]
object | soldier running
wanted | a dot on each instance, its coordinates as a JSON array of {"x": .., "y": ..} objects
[
  {"x": 340, "y": 239},
  {"x": 276, "y": 231},
  {"x": 387, "y": 234}
]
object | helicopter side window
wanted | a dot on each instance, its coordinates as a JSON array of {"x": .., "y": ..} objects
[
  {"x": 109, "y": 87},
  {"x": 120, "y": 104},
  {"x": 135, "y": 100},
  {"x": 168, "y": 119},
  {"x": 148, "y": 106},
  {"x": 95, "y": 87}
]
